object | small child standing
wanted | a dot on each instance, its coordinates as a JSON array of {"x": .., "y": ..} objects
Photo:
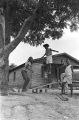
[{"x": 68, "y": 77}]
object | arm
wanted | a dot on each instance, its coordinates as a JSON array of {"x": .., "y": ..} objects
[
  {"x": 28, "y": 66},
  {"x": 72, "y": 68},
  {"x": 43, "y": 55},
  {"x": 54, "y": 50}
]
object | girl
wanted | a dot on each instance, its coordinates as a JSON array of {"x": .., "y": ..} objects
[{"x": 27, "y": 74}]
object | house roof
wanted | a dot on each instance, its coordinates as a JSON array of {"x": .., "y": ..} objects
[
  {"x": 42, "y": 59},
  {"x": 65, "y": 54}
]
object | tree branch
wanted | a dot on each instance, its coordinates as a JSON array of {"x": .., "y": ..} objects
[{"x": 26, "y": 26}]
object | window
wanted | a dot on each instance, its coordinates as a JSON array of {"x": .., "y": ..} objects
[{"x": 14, "y": 76}]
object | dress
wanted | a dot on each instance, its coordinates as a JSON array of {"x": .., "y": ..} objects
[
  {"x": 68, "y": 75},
  {"x": 67, "y": 79}
]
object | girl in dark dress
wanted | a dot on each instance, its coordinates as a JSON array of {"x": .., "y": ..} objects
[{"x": 27, "y": 74}]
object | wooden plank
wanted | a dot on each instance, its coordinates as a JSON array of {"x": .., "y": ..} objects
[
  {"x": 37, "y": 75},
  {"x": 62, "y": 97},
  {"x": 44, "y": 85}
]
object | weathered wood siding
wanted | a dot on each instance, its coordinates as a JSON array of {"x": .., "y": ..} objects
[
  {"x": 57, "y": 60},
  {"x": 15, "y": 77},
  {"x": 18, "y": 77},
  {"x": 36, "y": 76}
]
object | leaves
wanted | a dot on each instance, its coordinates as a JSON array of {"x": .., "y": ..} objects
[{"x": 50, "y": 18}]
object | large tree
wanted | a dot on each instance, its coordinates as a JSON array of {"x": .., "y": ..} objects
[{"x": 32, "y": 21}]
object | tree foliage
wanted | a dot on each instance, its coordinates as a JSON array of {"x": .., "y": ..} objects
[{"x": 50, "y": 18}]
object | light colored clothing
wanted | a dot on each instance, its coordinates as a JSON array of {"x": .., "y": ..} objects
[
  {"x": 49, "y": 59},
  {"x": 68, "y": 79},
  {"x": 68, "y": 75},
  {"x": 62, "y": 76},
  {"x": 68, "y": 70},
  {"x": 48, "y": 54}
]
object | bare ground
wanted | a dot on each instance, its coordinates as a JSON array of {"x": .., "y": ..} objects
[{"x": 43, "y": 106}]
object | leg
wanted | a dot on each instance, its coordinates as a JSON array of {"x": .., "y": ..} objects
[
  {"x": 24, "y": 74},
  {"x": 28, "y": 84},
  {"x": 66, "y": 87},
  {"x": 49, "y": 68},
  {"x": 24, "y": 86},
  {"x": 63, "y": 88},
  {"x": 49, "y": 62},
  {"x": 71, "y": 88},
  {"x": 26, "y": 80}
]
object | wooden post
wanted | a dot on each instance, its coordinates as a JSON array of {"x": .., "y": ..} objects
[{"x": 57, "y": 73}]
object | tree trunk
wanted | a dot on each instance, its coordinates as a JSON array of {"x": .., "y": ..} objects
[
  {"x": 6, "y": 49},
  {"x": 4, "y": 76},
  {"x": 4, "y": 64}
]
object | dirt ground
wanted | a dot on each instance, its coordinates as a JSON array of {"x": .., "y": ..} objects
[{"x": 43, "y": 106}]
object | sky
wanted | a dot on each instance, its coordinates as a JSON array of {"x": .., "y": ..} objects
[{"x": 68, "y": 43}]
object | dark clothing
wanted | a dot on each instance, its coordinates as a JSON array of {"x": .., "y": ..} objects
[
  {"x": 61, "y": 70},
  {"x": 26, "y": 79},
  {"x": 27, "y": 75}
]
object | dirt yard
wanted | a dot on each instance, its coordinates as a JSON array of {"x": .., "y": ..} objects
[{"x": 43, "y": 106}]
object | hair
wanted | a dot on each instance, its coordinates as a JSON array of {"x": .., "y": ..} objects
[
  {"x": 30, "y": 59},
  {"x": 46, "y": 45},
  {"x": 67, "y": 61}
]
